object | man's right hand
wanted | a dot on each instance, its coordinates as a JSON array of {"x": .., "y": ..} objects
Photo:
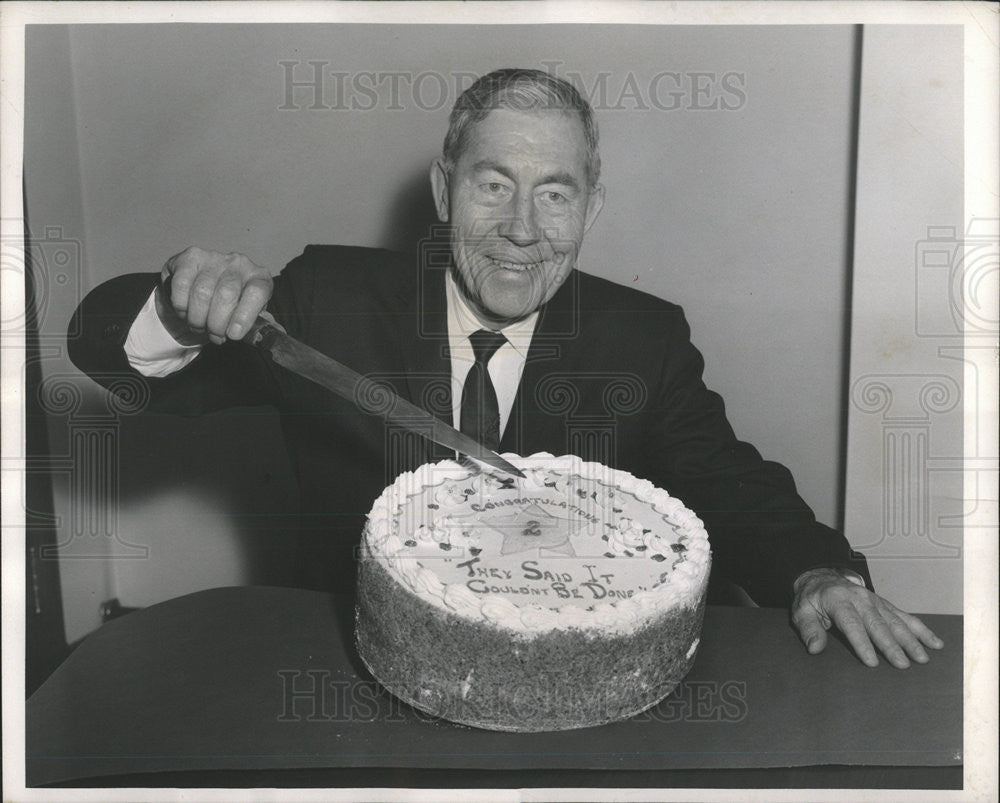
[{"x": 207, "y": 296}]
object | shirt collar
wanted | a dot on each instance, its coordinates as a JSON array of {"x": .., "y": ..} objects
[{"x": 462, "y": 322}]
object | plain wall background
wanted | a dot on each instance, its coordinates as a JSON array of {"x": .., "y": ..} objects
[
  {"x": 906, "y": 504},
  {"x": 141, "y": 140}
]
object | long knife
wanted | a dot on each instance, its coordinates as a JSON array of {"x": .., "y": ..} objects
[{"x": 317, "y": 367}]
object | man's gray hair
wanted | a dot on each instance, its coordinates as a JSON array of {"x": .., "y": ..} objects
[{"x": 519, "y": 90}]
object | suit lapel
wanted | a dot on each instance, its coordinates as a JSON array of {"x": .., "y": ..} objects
[{"x": 423, "y": 339}]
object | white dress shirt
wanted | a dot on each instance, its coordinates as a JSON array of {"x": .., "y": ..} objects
[
  {"x": 505, "y": 366},
  {"x": 153, "y": 352}
]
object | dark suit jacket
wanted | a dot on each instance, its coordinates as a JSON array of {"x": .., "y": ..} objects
[{"x": 611, "y": 376}]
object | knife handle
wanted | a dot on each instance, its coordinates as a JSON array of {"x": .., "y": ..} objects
[{"x": 264, "y": 331}]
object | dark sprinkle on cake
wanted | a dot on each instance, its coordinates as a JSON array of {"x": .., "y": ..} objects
[
  {"x": 640, "y": 548},
  {"x": 609, "y": 554},
  {"x": 444, "y": 545},
  {"x": 433, "y": 505},
  {"x": 474, "y": 550},
  {"x": 410, "y": 542},
  {"x": 678, "y": 547},
  {"x": 658, "y": 557},
  {"x": 617, "y": 509},
  {"x": 581, "y": 493}
]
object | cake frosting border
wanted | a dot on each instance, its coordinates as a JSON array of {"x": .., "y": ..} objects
[{"x": 683, "y": 587}]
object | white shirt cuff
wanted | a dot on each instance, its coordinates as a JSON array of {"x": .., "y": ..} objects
[
  {"x": 151, "y": 349},
  {"x": 854, "y": 577}
]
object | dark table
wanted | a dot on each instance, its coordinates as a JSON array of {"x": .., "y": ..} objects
[{"x": 262, "y": 686}]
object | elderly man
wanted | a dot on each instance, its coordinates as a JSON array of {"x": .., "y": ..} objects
[{"x": 505, "y": 311}]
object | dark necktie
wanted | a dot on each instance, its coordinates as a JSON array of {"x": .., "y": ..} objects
[{"x": 480, "y": 411}]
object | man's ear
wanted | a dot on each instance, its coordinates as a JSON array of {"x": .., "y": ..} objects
[
  {"x": 595, "y": 203},
  {"x": 439, "y": 187}
]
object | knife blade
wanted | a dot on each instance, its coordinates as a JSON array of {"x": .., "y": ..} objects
[{"x": 370, "y": 396}]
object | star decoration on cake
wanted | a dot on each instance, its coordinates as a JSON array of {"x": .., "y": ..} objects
[{"x": 532, "y": 527}]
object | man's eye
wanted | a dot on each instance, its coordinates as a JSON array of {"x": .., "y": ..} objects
[
  {"x": 554, "y": 197},
  {"x": 493, "y": 187}
]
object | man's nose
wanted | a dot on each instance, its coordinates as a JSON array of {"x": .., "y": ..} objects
[{"x": 521, "y": 226}]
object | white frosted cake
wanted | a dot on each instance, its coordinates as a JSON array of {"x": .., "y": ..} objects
[{"x": 570, "y": 598}]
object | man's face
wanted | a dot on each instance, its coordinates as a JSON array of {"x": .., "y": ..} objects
[{"x": 519, "y": 204}]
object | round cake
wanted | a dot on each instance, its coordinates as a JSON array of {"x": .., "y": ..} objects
[{"x": 570, "y": 598}]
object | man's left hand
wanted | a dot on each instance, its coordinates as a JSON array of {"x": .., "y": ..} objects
[{"x": 825, "y": 597}]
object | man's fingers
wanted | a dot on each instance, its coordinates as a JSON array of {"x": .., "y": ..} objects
[
  {"x": 904, "y": 636},
  {"x": 219, "y": 293},
  {"x": 919, "y": 629},
  {"x": 851, "y": 625},
  {"x": 182, "y": 269},
  {"x": 224, "y": 300},
  {"x": 911, "y": 633},
  {"x": 812, "y": 629},
  {"x": 256, "y": 294},
  {"x": 200, "y": 300},
  {"x": 885, "y": 638},
  {"x": 181, "y": 279}
]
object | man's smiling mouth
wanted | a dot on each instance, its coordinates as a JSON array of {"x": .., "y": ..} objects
[{"x": 514, "y": 266}]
